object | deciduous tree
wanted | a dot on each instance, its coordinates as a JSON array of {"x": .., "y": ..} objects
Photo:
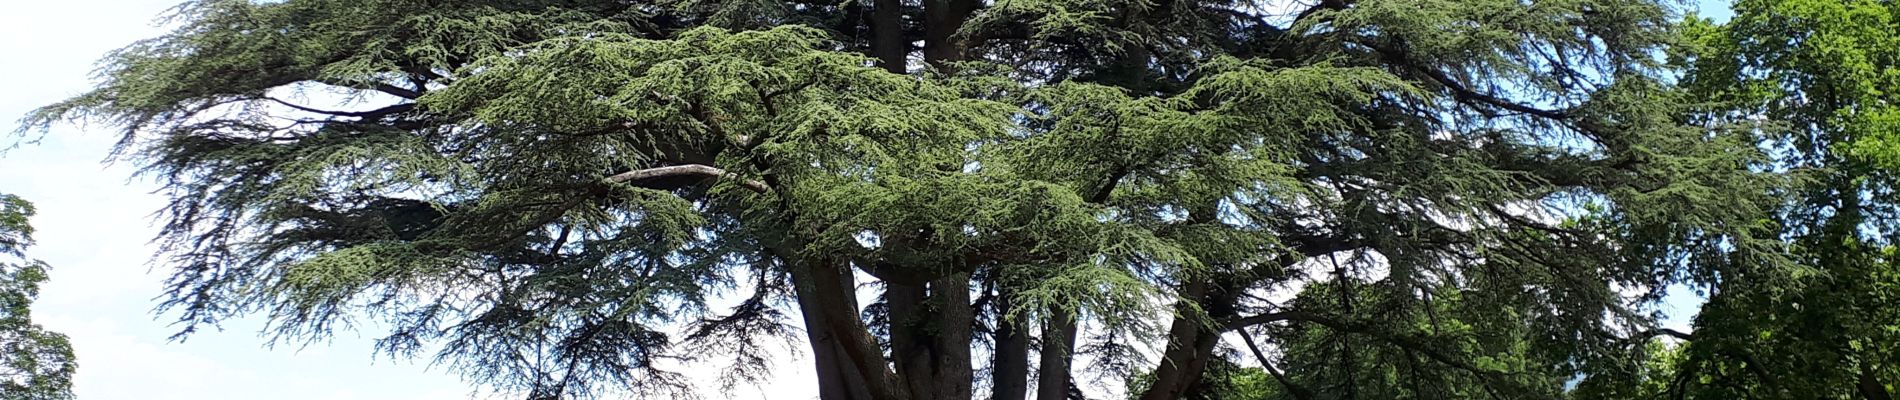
[
  {"x": 35, "y": 364},
  {"x": 1821, "y": 73}
]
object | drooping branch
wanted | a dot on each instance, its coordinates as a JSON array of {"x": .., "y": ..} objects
[
  {"x": 1526, "y": 222},
  {"x": 371, "y": 114},
  {"x": 1321, "y": 6},
  {"x": 1458, "y": 89},
  {"x": 1298, "y": 392},
  {"x": 705, "y": 171}
]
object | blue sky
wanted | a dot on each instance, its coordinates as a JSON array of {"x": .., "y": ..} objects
[{"x": 94, "y": 230}]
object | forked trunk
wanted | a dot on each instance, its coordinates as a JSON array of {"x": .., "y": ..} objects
[{"x": 826, "y": 295}]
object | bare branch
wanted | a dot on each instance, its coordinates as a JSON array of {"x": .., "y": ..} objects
[
  {"x": 393, "y": 90},
  {"x": 706, "y": 171},
  {"x": 371, "y": 114},
  {"x": 1298, "y": 392},
  {"x": 1645, "y": 335},
  {"x": 1458, "y": 89}
]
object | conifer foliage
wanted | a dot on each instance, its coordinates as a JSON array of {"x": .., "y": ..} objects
[{"x": 552, "y": 195}]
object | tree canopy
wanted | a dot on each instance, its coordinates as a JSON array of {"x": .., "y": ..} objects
[
  {"x": 35, "y": 364},
  {"x": 1820, "y": 73},
  {"x": 1379, "y": 198}
]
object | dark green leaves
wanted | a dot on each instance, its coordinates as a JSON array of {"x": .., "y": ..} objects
[{"x": 34, "y": 364}]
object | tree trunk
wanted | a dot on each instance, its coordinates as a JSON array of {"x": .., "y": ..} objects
[
  {"x": 942, "y": 20},
  {"x": 1182, "y": 361},
  {"x": 1870, "y": 386},
  {"x": 1058, "y": 349},
  {"x": 837, "y": 379},
  {"x": 910, "y": 344},
  {"x": 887, "y": 36},
  {"x": 930, "y": 336},
  {"x": 1009, "y": 371},
  {"x": 955, "y": 317},
  {"x": 1190, "y": 342},
  {"x": 828, "y": 298}
]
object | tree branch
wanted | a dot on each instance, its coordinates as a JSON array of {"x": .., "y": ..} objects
[
  {"x": 1645, "y": 335},
  {"x": 1458, "y": 89},
  {"x": 705, "y": 171},
  {"x": 1322, "y": 5},
  {"x": 371, "y": 114},
  {"x": 1108, "y": 186},
  {"x": 1298, "y": 392},
  {"x": 394, "y": 90}
]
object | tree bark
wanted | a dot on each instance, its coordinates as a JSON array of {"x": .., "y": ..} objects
[
  {"x": 887, "y": 36},
  {"x": 1870, "y": 386},
  {"x": 910, "y": 344},
  {"x": 837, "y": 379},
  {"x": 1058, "y": 349},
  {"x": 930, "y": 336},
  {"x": 828, "y": 298},
  {"x": 1181, "y": 363},
  {"x": 1191, "y": 341},
  {"x": 1009, "y": 370},
  {"x": 942, "y": 20},
  {"x": 955, "y": 317}
]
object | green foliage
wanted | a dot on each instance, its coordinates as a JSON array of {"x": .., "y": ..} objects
[
  {"x": 35, "y": 364},
  {"x": 554, "y": 191},
  {"x": 1655, "y": 378},
  {"x": 1819, "y": 72}
]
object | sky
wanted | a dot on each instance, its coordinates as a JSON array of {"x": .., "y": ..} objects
[{"x": 95, "y": 230}]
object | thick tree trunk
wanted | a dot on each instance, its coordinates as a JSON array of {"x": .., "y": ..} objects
[
  {"x": 887, "y": 35},
  {"x": 1058, "y": 349},
  {"x": 942, "y": 20},
  {"x": 837, "y": 379},
  {"x": 826, "y": 295},
  {"x": 1190, "y": 342},
  {"x": 910, "y": 344},
  {"x": 1182, "y": 361},
  {"x": 951, "y": 297},
  {"x": 930, "y": 336},
  {"x": 1009, "y": 370}
]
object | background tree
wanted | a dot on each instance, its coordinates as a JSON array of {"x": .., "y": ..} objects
[
  {"x": 34, "y": 364},
  {"x": 1821, "y": 71},
  {"x": 552, "y": 191}
]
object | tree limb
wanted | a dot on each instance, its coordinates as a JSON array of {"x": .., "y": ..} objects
[
  {"x": 1298, "y": 392},
  {"x": 394, "y": 90},
  {"x": 1645, "y": 335},
  {"x": 371, "y": 114},
  {"x": 706, "y": 171},
  {"x": 1458, "y": 89}
]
